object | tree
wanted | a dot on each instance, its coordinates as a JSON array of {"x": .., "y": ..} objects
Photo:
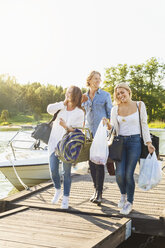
[{"x": 146, "y": 82}]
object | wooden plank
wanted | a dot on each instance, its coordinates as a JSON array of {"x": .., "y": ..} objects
[
  {"x": 143, "y": 211},
  {"x": 26, "y": 193},
  {"x": 12, "y": 244},
  {"x": 62, "y": 230},
  {"x": 163, "y": 213},
  {"x": 13, "y": 211},
  {"x": 112, "y": 240}
]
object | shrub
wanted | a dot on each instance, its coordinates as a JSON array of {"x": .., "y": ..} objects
[{"x": 4, "y": 115}]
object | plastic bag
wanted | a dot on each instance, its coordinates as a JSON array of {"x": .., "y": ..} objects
[
  {"x": 99, "y": 148},
  {"x": 150, "y": 172}
]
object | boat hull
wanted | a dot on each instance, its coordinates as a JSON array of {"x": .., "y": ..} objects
[{"x": 30, "y": 174}]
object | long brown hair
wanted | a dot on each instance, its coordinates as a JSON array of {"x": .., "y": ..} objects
[{"x": 76, "y": 96}]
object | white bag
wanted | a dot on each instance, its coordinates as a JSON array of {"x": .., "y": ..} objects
[
  {"x": 99, "y": 148},
  {"x": 150, "y": 172}
]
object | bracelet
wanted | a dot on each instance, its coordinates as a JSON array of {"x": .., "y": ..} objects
[{"x": 67, "y": 129}]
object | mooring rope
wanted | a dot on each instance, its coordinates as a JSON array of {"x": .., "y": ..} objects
[
  {"x": 15, "y": 171},
  {"x": 18, "y": 177}
]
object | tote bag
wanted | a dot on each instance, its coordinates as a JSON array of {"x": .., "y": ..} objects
[{"x": 150, "y": 172}]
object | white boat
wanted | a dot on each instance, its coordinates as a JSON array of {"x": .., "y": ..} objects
[{"x": 25, "y": 162}]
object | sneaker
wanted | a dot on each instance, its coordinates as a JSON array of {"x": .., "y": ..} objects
[
  {"x": 65, "y": 202},
  {"x": 98, "y": 198},
  {"x": 56, "y": 196},
  {"x": 122, "y": 201},
  {"x": 126, "y": 209},
  {"x": 93, "y": 196}
]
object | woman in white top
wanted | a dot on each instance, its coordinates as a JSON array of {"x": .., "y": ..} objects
[
  {"x": 125, "y": 119},
  {"x": 71, "y": 115}
]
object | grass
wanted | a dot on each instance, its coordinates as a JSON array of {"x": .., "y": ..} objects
[
  {"x": 156, "y": 124},
  {"x": 21, "y": 119}
]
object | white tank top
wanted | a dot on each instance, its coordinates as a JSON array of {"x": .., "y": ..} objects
[{"x": 129, "y": 125}]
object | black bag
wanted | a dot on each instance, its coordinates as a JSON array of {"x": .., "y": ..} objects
[
  {"x": 154, "y": 138},
  {"x": 144, "y": 148},
  {"x": 115, "y": 150},
  {"x": 42, "y": 131}
]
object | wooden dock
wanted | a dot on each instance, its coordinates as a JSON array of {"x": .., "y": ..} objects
[
  {"x": 29, "y": 219},
  {"x": 34, "y": 227}
]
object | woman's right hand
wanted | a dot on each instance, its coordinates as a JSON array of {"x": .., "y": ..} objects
[
  {"x": 106, "y": 122},
  {"x": 84, "y": 98}
]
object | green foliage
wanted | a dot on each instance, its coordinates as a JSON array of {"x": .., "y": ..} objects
[
  {"x": 156, "y": 124},
  {"x": 4, "y": 115},
  {"x": 5, "y": 123},
  {"x": 21, "y": 118},
  {"x": 84, "y": 90},
  {"x": 29, "y": 98},
  {"x": 146, "y": 82}
]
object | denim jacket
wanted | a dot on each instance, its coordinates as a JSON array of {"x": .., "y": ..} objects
[{"x": 97, "y": 109}]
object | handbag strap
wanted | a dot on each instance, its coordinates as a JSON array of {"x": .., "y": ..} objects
[
  {"x": 139, "y": 117},
  {"x": 54, "y": 117},
  {"x": 86, "y": 131}
]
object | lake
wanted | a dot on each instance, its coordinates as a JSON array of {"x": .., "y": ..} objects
[{"x": 5, "y": 136}]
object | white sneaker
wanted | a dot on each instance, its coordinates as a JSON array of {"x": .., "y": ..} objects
[
  {"x": 126, "y": 209},
  {"x": 56, "y": 196},
  {"x": 122, "y": 201},
  {"x": 65, "y": 202}
]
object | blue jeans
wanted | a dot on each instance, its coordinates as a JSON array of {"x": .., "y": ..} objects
[
  {"x": 125, "y": 169},
  {"x": 55, "y": 175}
]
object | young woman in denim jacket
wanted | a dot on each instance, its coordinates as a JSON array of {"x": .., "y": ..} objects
[
  {"x": 125, "y": 120},
  {"x": 97, "y": 104}
]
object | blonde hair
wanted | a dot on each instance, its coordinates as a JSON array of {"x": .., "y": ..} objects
[
  {"x": 124, "y": 86},
  {"x": 90, "y": 77}
]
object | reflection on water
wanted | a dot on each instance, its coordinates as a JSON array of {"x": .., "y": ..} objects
[{"x": 5, "y": 186}]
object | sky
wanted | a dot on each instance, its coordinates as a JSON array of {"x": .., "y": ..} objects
[{"x": 61, "y": 41}]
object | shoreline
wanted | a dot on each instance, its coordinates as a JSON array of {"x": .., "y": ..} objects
[
  {"x": 30, "y": 126},
  {"x": 15, "y": 127}
]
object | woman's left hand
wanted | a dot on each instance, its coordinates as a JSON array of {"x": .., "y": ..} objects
[{"x": 151, "y": 148}]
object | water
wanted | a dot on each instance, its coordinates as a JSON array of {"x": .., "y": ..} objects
[
  {"x": 5, "y": 136},
  {"x": 161, "y": 135},
  {"x": 5, "y": 185}
]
